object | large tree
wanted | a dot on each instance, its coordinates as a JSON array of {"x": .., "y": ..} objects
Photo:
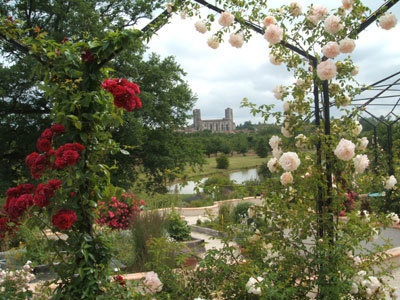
[{"x": 167, "y": 98}]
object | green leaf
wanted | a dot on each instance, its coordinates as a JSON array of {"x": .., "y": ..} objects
[{"x": 78, "y": 124}]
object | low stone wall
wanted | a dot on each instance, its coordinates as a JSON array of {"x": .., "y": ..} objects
[{"x": 199, "y": 211}]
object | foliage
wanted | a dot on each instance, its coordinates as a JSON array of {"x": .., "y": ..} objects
[
  {"x": 240, "y": 211},
  {"x": 217, "y": 187},
  {"x": 222, "y": 162},
  {"x": 177, "y": 228},
  {"x": 262, "y": 147}
]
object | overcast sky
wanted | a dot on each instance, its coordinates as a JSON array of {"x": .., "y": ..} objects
[{"x": 223, "y": 77}]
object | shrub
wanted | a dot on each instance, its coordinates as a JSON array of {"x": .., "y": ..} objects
[
  {"x": 118, "y": 213},
  {"x": 224, "y": 215},
  {"x": 222, "y": 161},
  {"x": 177, "y": 228},
  {"x": 145, "y": 226},
  {"x": 240, "y": 212}
]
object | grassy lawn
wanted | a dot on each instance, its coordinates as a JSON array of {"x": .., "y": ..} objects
[{"x": 236, "y": 162}]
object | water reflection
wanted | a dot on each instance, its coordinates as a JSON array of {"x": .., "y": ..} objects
[{"x": 238, "y": 177}]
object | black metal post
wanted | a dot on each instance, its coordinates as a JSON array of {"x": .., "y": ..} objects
[{"x": 375, "y": 152}]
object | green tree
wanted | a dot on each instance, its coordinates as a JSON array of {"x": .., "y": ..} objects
[
  {"x": 25, "y": 111},
  {"x": 222, "y": 161},
  {"x": 262, "y": 146}
]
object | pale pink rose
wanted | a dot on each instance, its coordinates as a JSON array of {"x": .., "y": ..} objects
[
  {"x": 347, "y": 45},
  {"x": 388, "y": 21},
  {"x": 347, "y": 4},
  {"x": 363, "y": 143},
  {"x": 200, "y": 27},
  {"x": 390, "y": 182},
  {"x": 326, "y": 70},
  {"x": 331, "y": 49},
  {"x": 277, "y": 152},
  {"x": 226, "y": 19},
  {"x": 278, "y": 92},
  {"x": 274, "y": 60},
  {"x": 361, "y": 162},
  {"x": 345, "y": 150},
  {"x": 357, "y": 130},
  {"x": 286, "y": 106},
  {"x": 236, "y": 40},
  {"x": 320, "y": 11},
  {"x": 299, "y": 82},
  {"x": 300, "y": 141},
  {"x": 251, "y": 285},
  {"x": 286, "y": 178},
  {"x": 169, "y": 7},
  {"x": 285, "y": 132},
  {"x": 213, "y": 42},
  {"x": 273, "y": 34},
  {"x": 152, "y": 283},
  {"x": 275, "y": 141},
  {"x": 289, "y": 161},
  {"x": 394, "y": 218},
  {"x": 355, "y": 71},
  {"x": 272, "y": 165},
  {"x": 332, "y": 24},
  {"x": 344, "y": 101},
  {"x": 269, "y": 21},
  {"x": 295, "y": 9},
  {"x": 313, "y": 19}
]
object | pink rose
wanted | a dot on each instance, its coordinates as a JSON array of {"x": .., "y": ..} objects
[
  {"x": 388, "y": 21},
  {"x": 200, "y": 27},
  {"x": 226, "y": 19},
  {"x": 269, "y": 21},
  {"x": 289, "y": 161},
  {"x": 236, "y": 40},
  {"x": 347, "y": 45},
  {"x": 213, "y": 42},
  {"x": 273, "y": 34},
  {"x": 326, "y": 70},
  {"x": 286, "y": 178},
  {"x": 331, "y": 49},
  {"x": 345, "y": 150},
  {"x": 332, "y": 24}
]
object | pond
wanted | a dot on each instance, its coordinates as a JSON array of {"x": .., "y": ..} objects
[{"x": 238, "y": 177}]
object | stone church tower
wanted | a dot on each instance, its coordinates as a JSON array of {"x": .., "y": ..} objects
[{"x": 222, "y": 125}]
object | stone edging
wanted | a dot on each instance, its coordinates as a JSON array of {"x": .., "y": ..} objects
[{"x": 208, "y": 231}]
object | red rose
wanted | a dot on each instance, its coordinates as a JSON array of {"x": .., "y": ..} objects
[
  {"x": 13, "y": 192},
  {"x": 124, "y": 92},
  {"x": 64, "y": 219},
  {"x": 60, "y": 163},
  {"x": 87, "y": 56},
  {"x": 120, "y": 280},
  {"x": 26, "y": 188},
  {"x": 41, "y": 200},
  {"x": 47, "y": 134},
  {"x": 54, "y": 183},
  {"x": 71, "y": 157},
  {"x": 57, "y": 128},
  {"x": 17, "y": 206},
  {"x": 39, "y": 166},
  {"x": 30, "y": 159},
  {"x": 43, "y": 145}
]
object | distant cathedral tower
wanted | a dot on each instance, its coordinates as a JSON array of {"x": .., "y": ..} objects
[{"x": 223, "y": 125}]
